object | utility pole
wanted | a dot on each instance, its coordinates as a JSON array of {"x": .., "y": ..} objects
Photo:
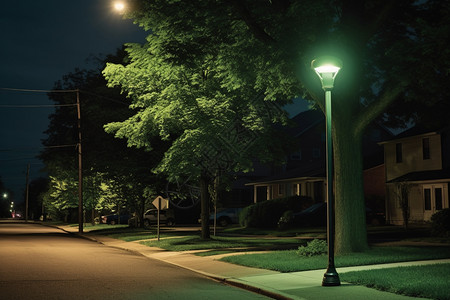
[
  {"x": 26, "y": 194},
  {"x": 80, "y": 173}
]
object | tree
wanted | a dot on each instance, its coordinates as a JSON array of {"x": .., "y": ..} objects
[
  {"x": 402, "y": 195},
  {"x": 209, "y": 128},
  {"x": 426, "y": 102},
  {"x": 269, "y": 45},
  {"x": 37, "y": 189},
  {"x": 107, "y": 162}
]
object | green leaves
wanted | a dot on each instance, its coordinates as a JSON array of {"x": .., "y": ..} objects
[{"x": 188, "y": 104}]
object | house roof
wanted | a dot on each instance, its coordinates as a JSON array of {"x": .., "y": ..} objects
[
  {"x": 304, "y": 121},
  {"x": 413, "y": 131},
  {"x": 315, "y": 170},
  {"x": 423, "y": 176}
]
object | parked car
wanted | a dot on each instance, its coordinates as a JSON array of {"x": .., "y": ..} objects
[
  {"x": 115, "y": 219},
  {"x": 166, "y": 216},
  {"x": 226, "y": 216},
  {"x": 316, "y": 215}
]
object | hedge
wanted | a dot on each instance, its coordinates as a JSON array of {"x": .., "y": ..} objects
[{"x": 266, "y": 214}]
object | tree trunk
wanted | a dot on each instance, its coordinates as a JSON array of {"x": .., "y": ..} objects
[
  {"x": 350, "y": 216},
  {"x": 204, "y": 198},
  {"x": 140, "y": 215}
]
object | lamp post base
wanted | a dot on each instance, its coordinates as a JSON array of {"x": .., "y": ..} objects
[{"x": 331, "y": 278}]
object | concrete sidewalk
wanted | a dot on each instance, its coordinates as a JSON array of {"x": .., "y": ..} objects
[{"x": 295, "y": 285}]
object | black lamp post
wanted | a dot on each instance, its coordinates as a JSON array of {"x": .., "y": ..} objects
[{"x": 327, "y": 69}]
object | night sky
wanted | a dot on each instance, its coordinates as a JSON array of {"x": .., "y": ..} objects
[{"x": 40, "y": 42}]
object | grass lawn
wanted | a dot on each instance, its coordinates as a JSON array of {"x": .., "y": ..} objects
[
  {"x": 195, "y": 243},
  {"x": 290, "y": 261},
  {"x": 431, "y": 281},
  {"x": 124, "y": 232},
  {"x": 316, "y": 232}
]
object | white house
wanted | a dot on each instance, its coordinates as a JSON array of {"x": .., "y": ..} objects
[{"x": 419, "y": 161}]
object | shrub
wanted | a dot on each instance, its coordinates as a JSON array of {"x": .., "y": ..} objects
[
  {"x": 313, "y": 248},
  {"x": 440, "y": 223},
  {"x": 243, "y": 216},
  {"x": 285, "y": 219},
  {"x": 267, "y": 214}
]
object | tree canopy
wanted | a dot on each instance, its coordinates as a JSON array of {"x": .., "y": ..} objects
[
  {"x": 113, "y": 174},
  {"x": 211, "y": 129},
  {"x": 244, "y": 47}
]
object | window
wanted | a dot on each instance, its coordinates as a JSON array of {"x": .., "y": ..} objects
[
  {"x": 398, "y": 153},
  {"x": 433, "y": 197},
  {"x": 426, "y": 148},
  {"x": 427, "y": 198},
  {"x": 281, "y": 189},
  {"x": 438, "y": 198},
  {"x": 296, "y": 189}
]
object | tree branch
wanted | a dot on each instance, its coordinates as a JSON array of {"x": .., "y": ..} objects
[
  {"x": 254, "y": 27},
  {"x": 374, "y": 109}
]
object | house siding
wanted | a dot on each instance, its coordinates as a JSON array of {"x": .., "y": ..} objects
[
  {"x": 415, "y": 158},
  {"x": 305, "y": 168},
  {"x": 412, "y": 156}
]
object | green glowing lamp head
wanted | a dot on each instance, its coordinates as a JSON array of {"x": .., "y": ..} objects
[{"x": 326, "y": 68}]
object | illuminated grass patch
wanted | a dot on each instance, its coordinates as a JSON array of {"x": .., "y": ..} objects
[
  {"x": 196, "y": 243},
  {"x": 431, "y": 281},
  {"x": 290, "y": 261}
]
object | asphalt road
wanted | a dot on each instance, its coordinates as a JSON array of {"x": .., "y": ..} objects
[{"x": 39, "y": 262}]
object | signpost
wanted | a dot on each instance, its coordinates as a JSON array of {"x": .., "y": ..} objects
[{"x": 160, "y": 203}]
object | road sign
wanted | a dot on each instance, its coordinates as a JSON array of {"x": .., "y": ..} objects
[{"x": 160, "y": 200}]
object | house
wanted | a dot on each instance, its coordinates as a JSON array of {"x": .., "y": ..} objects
[
  {"x": 304, "y": 171},
  {"x": 417, "y": 164}
]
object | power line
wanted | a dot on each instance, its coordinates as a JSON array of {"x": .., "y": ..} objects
[
  {"x": 103, "y": 97},
  {"x": 54, "y": 91},
  {"x": 35, "y": 106},
  {"x": 38, "y": 148},
  {"x": 36, "y": 91}
]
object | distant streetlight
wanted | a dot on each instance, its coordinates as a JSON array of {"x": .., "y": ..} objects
[
  {"x": 327, "y": 69},
  {"x": 119, "y": 6},
  {"x": 5, "y": 195}
]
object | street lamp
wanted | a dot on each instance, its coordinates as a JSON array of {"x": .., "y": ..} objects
[
  {"x": 327, "y": 69},
  {"x": 119, "y": 6}
]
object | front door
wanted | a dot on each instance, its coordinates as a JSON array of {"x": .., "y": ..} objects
[{"x": 434, "y": 199}]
